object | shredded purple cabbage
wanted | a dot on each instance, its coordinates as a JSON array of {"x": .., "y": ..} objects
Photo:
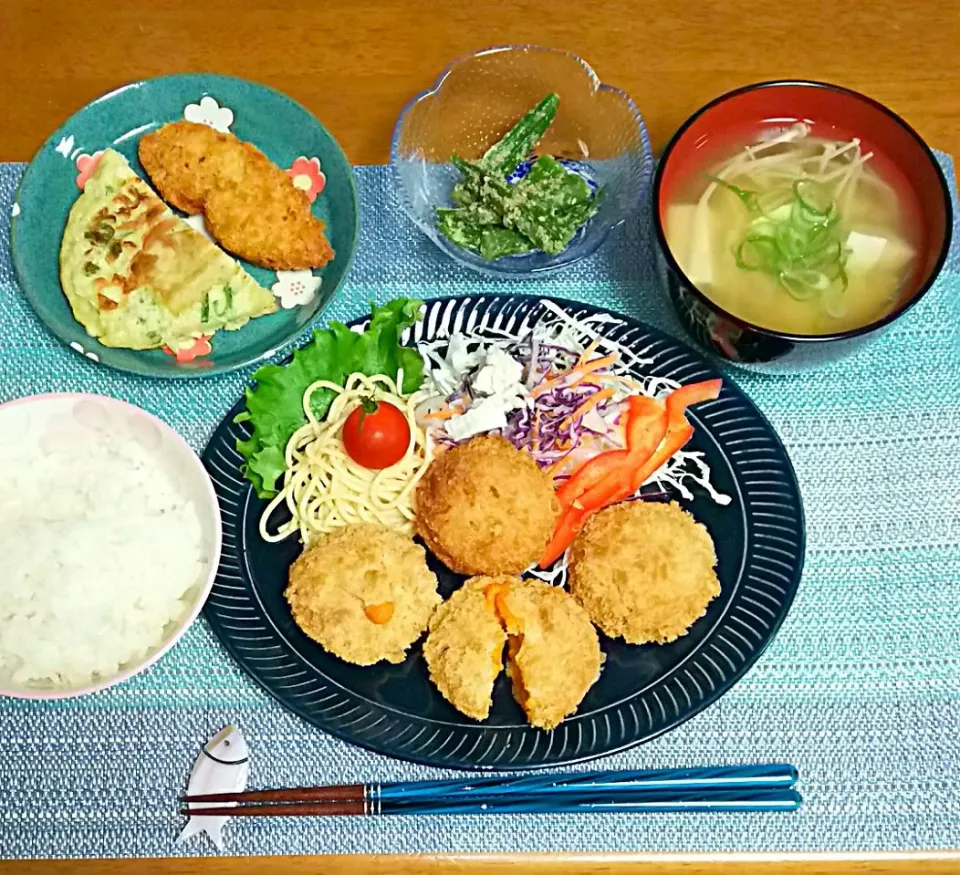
[{"x": 555, "y": 439}]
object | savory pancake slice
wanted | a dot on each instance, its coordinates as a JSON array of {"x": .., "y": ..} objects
[{"x": 138, "y": 276}]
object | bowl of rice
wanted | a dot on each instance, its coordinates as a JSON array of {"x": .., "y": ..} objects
[{"x": 109, "y": 543}]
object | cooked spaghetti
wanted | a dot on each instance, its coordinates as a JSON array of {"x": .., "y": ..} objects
[{"x": 324, "y": 489}]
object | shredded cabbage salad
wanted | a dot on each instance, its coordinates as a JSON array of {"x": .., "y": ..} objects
[{"x": 558, "y": 393}]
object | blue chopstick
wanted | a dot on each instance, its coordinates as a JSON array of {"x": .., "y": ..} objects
[
  {"x": 768, "y": 776},
  {"x": 650, "y": 802},
  {"x": 638, "y": 802},
  {"x": 716, "y": 788}
]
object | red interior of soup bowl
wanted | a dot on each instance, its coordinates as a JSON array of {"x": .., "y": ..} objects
[{"x": 900, "y": 157}]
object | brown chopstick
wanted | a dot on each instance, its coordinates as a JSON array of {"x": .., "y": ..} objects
[
  {"x": 330, "y": 809},
  {"x": 345, "y": 793}
]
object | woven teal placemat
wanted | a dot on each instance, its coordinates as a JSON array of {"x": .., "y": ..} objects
[{"x": 861, "y": 688}]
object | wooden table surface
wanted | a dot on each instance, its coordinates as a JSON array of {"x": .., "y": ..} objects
[{"x": 355, "y": 64}]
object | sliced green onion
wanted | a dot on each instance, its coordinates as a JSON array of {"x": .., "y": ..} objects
[
  {"x": 747, "y": 198},
  {"x": 800, "y": 249},
  {"x": 797, "y": 289},
  {"x": 813, "y": 197},
  {"x": 758, "y": 252}
]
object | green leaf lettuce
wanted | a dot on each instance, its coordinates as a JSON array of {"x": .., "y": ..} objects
[{"x": 275, "y": 403}]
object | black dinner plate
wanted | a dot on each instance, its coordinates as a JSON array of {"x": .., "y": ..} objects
[{"x": 642, "y": 692}]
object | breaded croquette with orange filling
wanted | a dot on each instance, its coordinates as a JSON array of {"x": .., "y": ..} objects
[
  {"x": 464, "y": 648},
  {"x": 363, "y": 592},
  {"x": 553, "y": 653},
  {"x": 553, "y": 656}
]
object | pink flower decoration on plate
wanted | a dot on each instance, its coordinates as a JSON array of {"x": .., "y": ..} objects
[
  {"x": 308, "y": 177},
  {"x": 201, "y": 347},
  {"x": 86, "y": 164}
]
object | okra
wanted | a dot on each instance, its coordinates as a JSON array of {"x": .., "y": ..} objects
[
  {"x": 499, "y": 242},
  {"x": 543, "y": 167},
  {"x": 502, "y": 157},
  {"x": 459, "y": 228}
]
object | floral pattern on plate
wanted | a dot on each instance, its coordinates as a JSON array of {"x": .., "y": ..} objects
[
  {"x": 86, "y": 164},
  {"x": 308, "y": 177},
  {"x": 200, "y": 347},
  {"x": 209, "y": 112},
  {"x": 295, "y": 288}
]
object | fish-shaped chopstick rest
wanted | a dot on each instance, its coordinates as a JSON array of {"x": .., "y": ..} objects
[{"x": 222, "y": 767}]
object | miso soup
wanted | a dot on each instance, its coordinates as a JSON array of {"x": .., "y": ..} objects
[{"x": 797, "y": 234}]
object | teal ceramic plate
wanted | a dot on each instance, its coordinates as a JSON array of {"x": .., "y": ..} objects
[{"x": 280, "y": 127}]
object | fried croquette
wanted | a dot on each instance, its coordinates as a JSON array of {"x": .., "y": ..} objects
[
  {"x": 644, "y": 572},
  {"x": 464, "y": 648},
  {"x": 485, "y": 507},
  {"x": 364, "y": 593},
  {"x": 251, "y": 206},
  {"x": 553, "y": 654}
]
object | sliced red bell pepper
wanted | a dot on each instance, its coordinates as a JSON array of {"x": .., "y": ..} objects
[
  {"x": 646, "y": 429},
  {"x": 655, "y": 432},
  {"x": 570, "y": 522},
  {"x": 644, "y": 416},
  {"x": 674, "y": 441},
  {"x": 589, "y": 474},
  {"x": 694, "y": 393}
]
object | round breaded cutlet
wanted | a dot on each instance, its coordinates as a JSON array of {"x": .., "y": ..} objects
[
  {"x": 485, "y": 507},
  {"x": 363, "y": 592},
  {"x": 644, "y": 571},
  {"x": 464, "y": 647},
  {"x": 553, "y": 653}
]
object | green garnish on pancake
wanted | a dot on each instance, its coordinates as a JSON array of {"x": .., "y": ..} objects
[{"x": 140, "y": 277}]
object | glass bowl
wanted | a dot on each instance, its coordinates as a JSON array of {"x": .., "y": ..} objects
[{"x": 477, "y": 99}]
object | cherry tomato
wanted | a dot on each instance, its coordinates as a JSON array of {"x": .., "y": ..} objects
[{"x": 376, "y": 434}]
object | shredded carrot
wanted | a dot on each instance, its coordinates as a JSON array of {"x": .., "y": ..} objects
[
  {"x": 445, "y": 413},
  {"x": 590, "y": 350},
  {"x": 575, "y": 374},
  {"x": 587, "y": 405},
  {"x": 536, "y": 430},
  {"x": 585, "y": 380}
]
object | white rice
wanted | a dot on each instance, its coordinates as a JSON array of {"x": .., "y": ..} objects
[{"x": 98, "y": 547}]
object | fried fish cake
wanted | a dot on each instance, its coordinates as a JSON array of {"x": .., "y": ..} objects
[
  {"x": 464, "y": 648},
  {"x": 363, "y": 592},
  {"x": 553, "y": 652},
  {"x": 644, "y": 572},
  {"x": 251, "y": 206},
  {"x": 266, "y": 220},
  {"x": 485, "y": 507},
  {"x": 183, "y": 161}
]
